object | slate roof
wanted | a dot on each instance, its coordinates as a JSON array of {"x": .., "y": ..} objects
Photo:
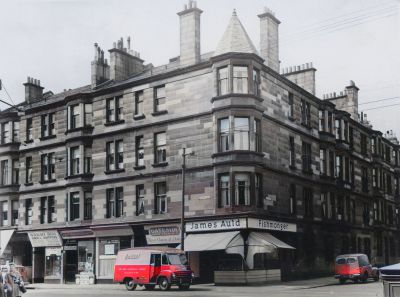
[{"x": 235, "y": 39}]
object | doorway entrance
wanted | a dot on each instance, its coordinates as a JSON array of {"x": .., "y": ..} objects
[{"x": 71, "y": 265}]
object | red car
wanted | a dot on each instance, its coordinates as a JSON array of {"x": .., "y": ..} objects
[
  {"x": 355, "y": 267},
  {"x": 149, "y": 267}
]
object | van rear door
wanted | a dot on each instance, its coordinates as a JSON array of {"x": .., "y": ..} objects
[{"x": 155, "y": 267}]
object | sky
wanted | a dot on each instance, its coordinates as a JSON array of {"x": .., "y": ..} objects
[{"x": 359, "y": 40}]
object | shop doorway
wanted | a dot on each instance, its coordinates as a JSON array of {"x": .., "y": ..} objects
[
  {"x": 38, "y": 267},
  {"x": 71, "y": 265}
]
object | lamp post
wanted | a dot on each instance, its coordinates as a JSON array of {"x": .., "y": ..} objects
[{"x": 184, "y": 154}]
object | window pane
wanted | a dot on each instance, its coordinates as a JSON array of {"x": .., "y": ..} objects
[
  {"x": 223, "y": 81},
  {"x": 240, "y": 79},
  {"x": 242, "y": 189},
  {"x": 225, "y": 190},
  {"x": 224, "y": 134},
  {"x": 241, "y": 134}
]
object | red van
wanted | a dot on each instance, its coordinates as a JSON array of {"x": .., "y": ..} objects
[
  {"x": 149, "y": 267},
  {"x": 354, "y": 267}
]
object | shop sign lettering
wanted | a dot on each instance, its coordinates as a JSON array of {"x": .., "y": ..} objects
[
  {"x": 45, "y": 238},
  {"x": 163, "y": 234},
  {"x": 226, "y": 224},
  {"x": 271, "y": 225}
]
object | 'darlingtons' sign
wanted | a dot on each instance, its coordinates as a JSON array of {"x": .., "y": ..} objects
[
  {"x": 163, "y": 234},
  {"x": 49, "y": 238}
]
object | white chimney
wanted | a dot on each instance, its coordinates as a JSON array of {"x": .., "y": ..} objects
[{"x": 269, "y": 39}]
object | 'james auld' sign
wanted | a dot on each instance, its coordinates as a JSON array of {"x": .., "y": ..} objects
[
  {"x": 215, "y": 225},
  {"x": 49, "y": 238},
  {"x": 271, "y": 225},
  {"x": 163, "y": 234}
]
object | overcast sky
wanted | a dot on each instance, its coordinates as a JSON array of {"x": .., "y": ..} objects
[{"x": 52, "y": 40}]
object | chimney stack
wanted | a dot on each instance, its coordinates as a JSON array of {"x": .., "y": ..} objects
[
  {"x": 190, "y": 34},
  {"x": 100, "y": 67},
  {"x": 33, "y": 90},
  {"x": 352, "y": 100},
  {"x": 124, "y": 62},
  {"x": 269, "y": 39}
]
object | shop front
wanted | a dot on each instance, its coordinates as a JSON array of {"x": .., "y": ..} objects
[{"x": 238, "y": 250}]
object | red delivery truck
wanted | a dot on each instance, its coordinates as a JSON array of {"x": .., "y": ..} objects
[{"x": 149, "y": 267}]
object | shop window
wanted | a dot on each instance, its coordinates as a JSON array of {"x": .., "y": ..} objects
[
  {"x": 14, "y": 212},
  {"x": 241, "y": 134},
  {"x": 74, "y": 206},
  {"x": 48, "y": 167},
  {"x": 242, "y": 189},
  {"x": 115, "y": 202},
  {"x": 4, "y": 213},
  {"x": 240, "y": 79},
  {"x": 223, "y": 86},
  {"x": 139, "y": 151},
  {"x": 160, "y": 100},
  {"x": 160, "y": 190},
  {"x": 87, "y": 205},
  {"x": 224, "y": 135},
  {"x": 160, "y": 152},
  {"x": 88, "y": 114},
  {"x": 267, "y": 260},
  {"x": 4, "y": 172},
  {"x": 85, "y": 256},
  {"x": 114, "y": 108},
  {"x": 53, "y": 262},
  {"x": 292, "y": 199},
  {"x": 256, "y": 82},
  {"x": 139, "y": 103},
  {"x": 114, "y": 155},
  {"x": 47, "y": 125},
  {"x": 5, "y": 133},
  {"x": 29, "y": 130},
  {"x": 15, "y": 172},
  {"x": 224, "y": 190},
  {"x": 140, "y": 199},
  {"x": 305, "y": 113},
  {"x": 28, "y": 211},
  {"x": 28, "y": 170}
]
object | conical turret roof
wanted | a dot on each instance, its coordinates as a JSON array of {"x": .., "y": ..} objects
[{"x": 235, "y": 39}]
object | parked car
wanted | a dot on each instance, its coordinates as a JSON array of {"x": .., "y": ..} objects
[
  {"x": 355, "y": 267},
  {"x": 149, "y": 267}
]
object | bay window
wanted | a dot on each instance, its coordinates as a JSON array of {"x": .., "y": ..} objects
[
  {"x": 74, "y": 116},
  {"x": 241, "y": 134},
  {"x": 223, "y": 85},
  {"x": 240, "y": 79},
  {"x": 224, "y": 190},
  {"x": 242, "y": 189}
]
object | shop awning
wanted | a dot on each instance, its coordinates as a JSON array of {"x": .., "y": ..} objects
[
  {"x": 266, "y": 240},
  {"x": 5, "y": 236},
  {"x": 231, "y": 242}
]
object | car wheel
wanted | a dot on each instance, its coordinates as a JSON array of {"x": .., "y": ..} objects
[
  {"x": 342, "y": 281},
  {"x": 149, "y": 287},
  {"x": 355, "y": 280},
  {"x": 164, "y": 284},
  {"x": 184, "y": 287},
  {"x": 130, "y": 284}
]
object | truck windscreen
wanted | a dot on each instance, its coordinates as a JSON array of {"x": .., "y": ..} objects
[{"x": 177, "y": 259}]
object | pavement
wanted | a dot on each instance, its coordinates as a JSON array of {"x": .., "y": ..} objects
[{"x": 306, "y": 288}]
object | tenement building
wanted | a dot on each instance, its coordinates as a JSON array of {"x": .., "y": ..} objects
[{"x": 279, "y": 182}]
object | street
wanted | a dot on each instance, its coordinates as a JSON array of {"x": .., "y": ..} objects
[{"x": 307, "y": 288}]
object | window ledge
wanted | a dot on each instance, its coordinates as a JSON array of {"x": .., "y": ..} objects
[
  {"x": 82, "y": 175},
  {"x": 114, "y": 171},
  {"x": 161, "y": 112},
  {"x": 242, "y": 152},
  {"x": 114, "y": 123},
  {"x": 28, "y": 141},
  {"x": 10, "y": 143},
  {"x": 138, "y": 117},
  {"x": 162, "y": 164},
  {"x": 47, "y": 137},
  {"x": 221, "y": 97},
  {"x": 28, "y": 184},
  {"x": 139, "y": 167},
  {"x": 87, "y": 128},
  {"x": 48, "y": 181},
  {"x": 9, "y": 185}
]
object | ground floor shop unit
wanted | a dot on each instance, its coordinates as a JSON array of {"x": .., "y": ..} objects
[{"x": 221, "y": 249}]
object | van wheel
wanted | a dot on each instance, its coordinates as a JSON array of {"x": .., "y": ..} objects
[
  {"x": 130, "y": 284},
  {"x": 355, "y": 280},
  {"x": 342, "y": 281},
  {"x": 149, "y": 287},
  {"x": 164, "y": 284},
  {"x": 184, "y": 287},
  {"x": 365, "y": 277}
]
